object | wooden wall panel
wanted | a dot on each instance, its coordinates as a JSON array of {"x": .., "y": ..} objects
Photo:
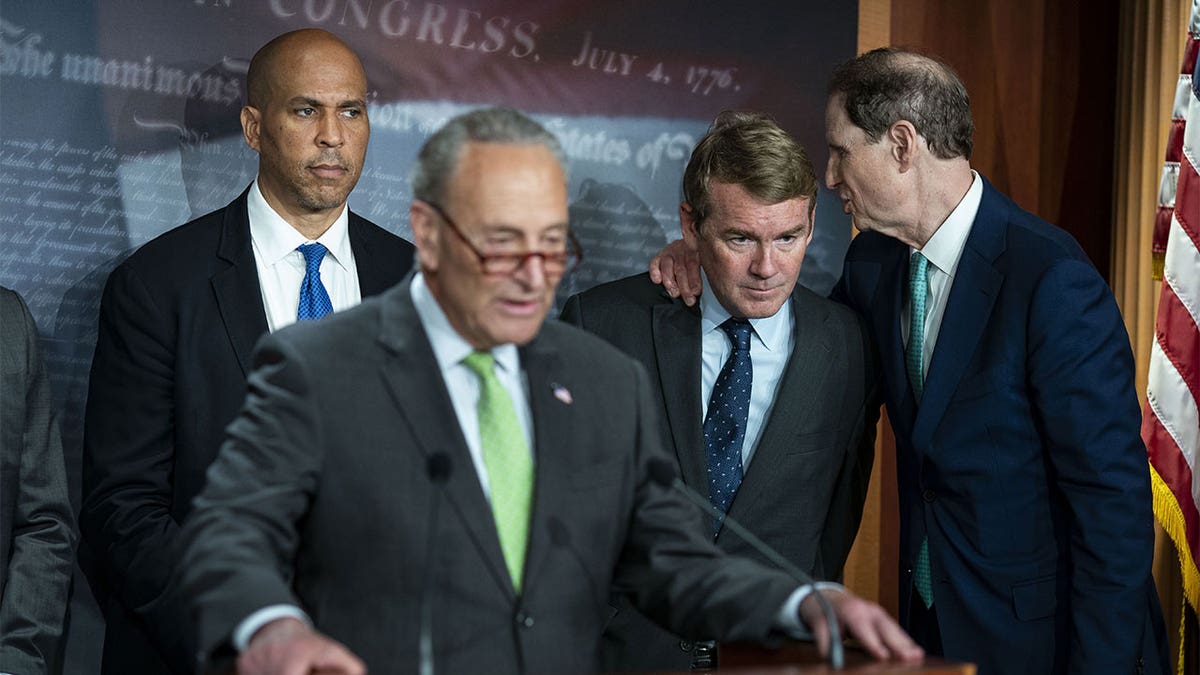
[{"x": 1040, "y": 75}]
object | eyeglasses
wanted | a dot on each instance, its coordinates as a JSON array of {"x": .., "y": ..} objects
[{"x": 553, "y": 262}]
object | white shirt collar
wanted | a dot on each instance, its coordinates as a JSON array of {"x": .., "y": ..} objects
[
  {"x": 276, "y": 238},
  {"x": 449, "y": 348},
  {"x": 945, "y": 247},
  {"x": 772, "y": 331}
]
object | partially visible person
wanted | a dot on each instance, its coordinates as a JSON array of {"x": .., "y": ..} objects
[
  {"x": 37, "y": 525},
  {"x": 1026, "y": 532},
  {"x": 179, "y": 318},
  {"x": 442, "y": 447},
  {"x": 766, "y": 391}
]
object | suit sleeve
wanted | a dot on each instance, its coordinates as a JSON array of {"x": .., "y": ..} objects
[
  {"x": 1080, "y": 370},
  {"x": 128, "y": 458},
  {"x": 241, "y": 537},
  {"x": 572, "y": 312},
  {"x": 673, "y": 571},
  {"x": 845, "y": 514},
  {"x": 34, "y": 602},
  {"x": 854, "y": 477},
  {"x": 840, "y": 292}
]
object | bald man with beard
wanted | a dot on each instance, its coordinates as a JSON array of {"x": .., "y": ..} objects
[{"x": 179, "y": 318}]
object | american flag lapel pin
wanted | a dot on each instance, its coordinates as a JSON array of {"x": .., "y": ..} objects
[{"x": 562, "y": 393}]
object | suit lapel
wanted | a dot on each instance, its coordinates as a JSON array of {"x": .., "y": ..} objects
[
  {"x": 554, "y": 425},
  {"x": 423, "y": 402},
  {"x": 885, "y": 315},
  {"x": 975, "y": 287},
  {"x": 237, "y": 290},
  {"x": 677, "y": 350},
  {"x": 373, "y": 278},
  {"x": 803, "y": 378}
]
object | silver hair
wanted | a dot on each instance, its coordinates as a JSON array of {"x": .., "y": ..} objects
[{"x": 440, "y": 155}]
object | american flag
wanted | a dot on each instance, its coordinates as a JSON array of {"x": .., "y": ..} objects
[{"x": 1171, "y": 423}]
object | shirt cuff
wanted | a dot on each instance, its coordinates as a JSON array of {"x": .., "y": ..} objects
[
  {"x": 250, "y": 625},
  {"x": 788, "y": 619}
]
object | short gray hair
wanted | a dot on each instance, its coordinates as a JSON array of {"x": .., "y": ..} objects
[
  {"x": 440, "y": 155},
  {"x": 887, "y": 85}
]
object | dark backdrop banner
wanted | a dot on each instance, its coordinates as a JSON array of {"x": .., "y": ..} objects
[{"x": 119, "y": 120}]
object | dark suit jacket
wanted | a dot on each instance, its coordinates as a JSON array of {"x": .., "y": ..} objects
[
  {"x": 1023, "y": 463},
  {"x": 37, "y": 526},
  {"x": 320, "y": 498},
  {"x": 804, "y": 490},
  {"x": 178, "y": 322}
]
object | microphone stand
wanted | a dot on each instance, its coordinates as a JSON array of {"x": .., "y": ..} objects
[
  {"x": 437, "y": 468},
  {"x": 663, "y": 473}
]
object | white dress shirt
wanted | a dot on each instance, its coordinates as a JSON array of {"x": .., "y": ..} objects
[
  {"x": 943, "y": 250},
  {"x": 771, "y": 345},
  {"x": 281, "y": 267}
]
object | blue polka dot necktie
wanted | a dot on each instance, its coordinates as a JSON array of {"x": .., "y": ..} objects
[
  {"x": 314, "y": 301},
  {"x": 727, "y": 417},
  {"x": 918, "y": 289}
]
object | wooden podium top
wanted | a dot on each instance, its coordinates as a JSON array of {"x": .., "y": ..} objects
[{"x": 801, "y": 658}]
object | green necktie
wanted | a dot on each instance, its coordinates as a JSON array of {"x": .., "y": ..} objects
[
  {"x": 509, "y": 463},
  {"x": 918, "y": 288}
]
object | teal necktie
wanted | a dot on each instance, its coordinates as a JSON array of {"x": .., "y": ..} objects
[
  {"x": 914, "y": 357},
  {"x": 918, "y": 288},
  {"x": 508, "y": 461}
]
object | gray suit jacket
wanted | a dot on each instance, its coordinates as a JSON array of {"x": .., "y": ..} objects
[
  {"x": 37, "y": 527},
  {"x": 804, "y": 490},
  {"x": 320, "y": 498}
]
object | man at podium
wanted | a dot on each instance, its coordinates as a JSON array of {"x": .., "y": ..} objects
[{"x": 468, "y": 481}]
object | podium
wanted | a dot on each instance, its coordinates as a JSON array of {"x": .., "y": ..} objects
[{"x": 801, "y": 658}]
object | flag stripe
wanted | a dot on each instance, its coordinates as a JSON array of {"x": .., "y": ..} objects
[
  {"x": 1173, "y": 403},
  {"x": 1187, "y": 192},
  {"x": 1183, "y": 259},
  {"x": 1177, "y": 476},
  {"x": 1171, "y": 423}
]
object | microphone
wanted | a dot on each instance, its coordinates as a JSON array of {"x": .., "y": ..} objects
[
  {"x": 663, "y": 472},
  {"x": 438, "y": 468}
]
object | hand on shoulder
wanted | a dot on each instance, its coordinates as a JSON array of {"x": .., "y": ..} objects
[{"x": 677, "y": 268}]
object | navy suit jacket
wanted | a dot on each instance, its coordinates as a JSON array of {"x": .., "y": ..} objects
[
  {"x": 1023, "y": 463},
  {"x": 178, "y": 321}
]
